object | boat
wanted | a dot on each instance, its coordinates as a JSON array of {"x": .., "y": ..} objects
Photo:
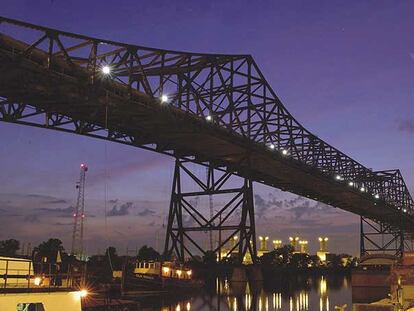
[
  {"x": 26, "y": 287},
  {"x": 155, "y": 274},
  {"x": 371, "y": 279}
]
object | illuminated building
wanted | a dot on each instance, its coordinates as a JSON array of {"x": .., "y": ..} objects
[
  {"x": 303, "y": 246},
  {"x": 294, "y": 242},
  {"x": 277, "y": 244},
  {"x": 323, "y": 248}
]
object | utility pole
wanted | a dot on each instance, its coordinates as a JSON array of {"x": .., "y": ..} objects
[{"x": 79, "y": 215}]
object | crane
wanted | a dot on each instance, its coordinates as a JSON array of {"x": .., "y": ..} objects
[{"x": 79, "y": 215}]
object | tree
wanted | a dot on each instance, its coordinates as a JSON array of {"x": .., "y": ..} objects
[
  {"x": 9, "y": 247},
  {"x": 301, "y": 261},
  {"x": 111, "y": 252},
  {"x": 48, "y": 250},
  {"x": 147, "y": 253},
  {"x": 210, "y": 258}
]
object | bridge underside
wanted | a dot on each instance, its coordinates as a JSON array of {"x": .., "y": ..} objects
[
  {"x": 49, "y": 88},
  {"x": 34, "y": 96}
]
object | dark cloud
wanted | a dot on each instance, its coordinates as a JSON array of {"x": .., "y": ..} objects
[
  {"x": 121, "y": 211},
  {"x": 262, "y": 205},
  {"x": 31, "y": 218},
  {"x": 57, "y": 201},
  {"x": 406, "y": 126},
  {"x": 62, "y": 224},
  {"x": 300, "y": 206},
  {"x": 308, "y": 207},
  {"x": 146, "y": 212},
  {"x": 58, "y": 212},
  {"x": 113, "y": 201},
  {"x": 47, "y": 199}
]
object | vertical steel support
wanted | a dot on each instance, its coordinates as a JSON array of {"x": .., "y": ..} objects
[
  {"x": 233, "y": 216},
  {"x": 379, "y": 238}
]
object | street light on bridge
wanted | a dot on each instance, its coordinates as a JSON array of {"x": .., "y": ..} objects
[{"x": 106, "y": 70}]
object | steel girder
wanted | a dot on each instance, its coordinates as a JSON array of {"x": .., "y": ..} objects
[
  {"x": 64, "y": 89},
  {"x": 233, "y": 219},
  {"x": 380, "y": 238}
]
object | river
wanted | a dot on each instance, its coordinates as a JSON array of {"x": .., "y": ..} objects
[{"x": 296, "y": 293}]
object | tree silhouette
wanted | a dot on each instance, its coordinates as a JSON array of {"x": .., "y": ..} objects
[
  {"x": 9, "y": 247},
  {"x": 48, "y": 249},
  {"x": 147, "y": 253}
]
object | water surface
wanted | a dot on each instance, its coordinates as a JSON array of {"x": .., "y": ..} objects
[{"x": 298, "y": 293}]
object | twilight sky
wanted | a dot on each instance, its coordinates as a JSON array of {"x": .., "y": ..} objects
[{"x": 344, "y": 69}]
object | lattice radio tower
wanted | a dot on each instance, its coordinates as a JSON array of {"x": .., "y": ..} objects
[{"x": 79, "y": 215}]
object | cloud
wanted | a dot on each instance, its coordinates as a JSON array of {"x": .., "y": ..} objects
[
  {"x": 121, "y": 211},
  {"x": 146, "y": 212},
  {"x": 114, "y": 201},
  {"x": 48, "y": 199},
  {"x": 59, "y": 212},
  {"x": 57, "y": 201},
  {"x": 262, "y": 206},
  {"x": 406, "y": 126},
  {"x": 298, "y": 205},
  {"x": 31, "y": 218},
  {"x": 62, "y": 224}
]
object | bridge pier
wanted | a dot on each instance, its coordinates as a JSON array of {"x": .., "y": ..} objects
[
  {"x": 377, "y": 237},
  {"x": 230, "y": 218}
]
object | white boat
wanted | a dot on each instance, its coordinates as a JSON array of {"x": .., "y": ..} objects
[{"x": 22, "y": 288}]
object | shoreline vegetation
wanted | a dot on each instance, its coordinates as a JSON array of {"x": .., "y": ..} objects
[{"x": 280, "y": 262}]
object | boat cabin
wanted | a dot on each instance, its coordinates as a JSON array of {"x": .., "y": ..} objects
[
  {"x": 166, "y": 270},
  {"x": 25, "y": 288}
]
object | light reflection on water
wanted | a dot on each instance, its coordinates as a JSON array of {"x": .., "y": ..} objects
[{"x": 302, "y": 294}]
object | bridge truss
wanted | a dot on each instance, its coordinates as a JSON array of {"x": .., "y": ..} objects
[{"x": 213, "y": 109}]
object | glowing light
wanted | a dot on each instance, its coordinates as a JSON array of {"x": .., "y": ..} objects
[
  {"x": 284, "y": 152},
  {"x": 271, "y": 146},
  {"x": 74, "y": 215},
  {"x": 209, "y": 118},
  {"x": 179, "y": 272},
  {"x": 320, "y": 239},
  {"x": 260, "y": 238},
  {"x": 323, "y": 286},
  {"x": 178, "y": 308},
  {"x": 351, "y": 183},
  {"x": 362, "y": 189},
  {"x": 235, "y": 237},
  {"x": 106, "y": 70},
  {"x": 166, "y": 269},
  {"x": 37, "y": 281},
  {"x": 405, "y": 210},
  {"x": 189, "y": 272},
  {"x": 83, "y": 293},
  {"x": 188, "y": 307},
  {"x": 338, "y": 177},
  {"x": 164, "y": 98},
  {"x": 376, "y": 196}
]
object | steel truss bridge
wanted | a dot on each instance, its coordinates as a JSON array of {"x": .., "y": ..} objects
[{"x": 211, "y": 109}]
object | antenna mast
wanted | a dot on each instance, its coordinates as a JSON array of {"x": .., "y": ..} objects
[{"x": 79, "y": 215}]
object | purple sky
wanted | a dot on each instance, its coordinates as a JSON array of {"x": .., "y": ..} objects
[{"x": 344, "y": 69}]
